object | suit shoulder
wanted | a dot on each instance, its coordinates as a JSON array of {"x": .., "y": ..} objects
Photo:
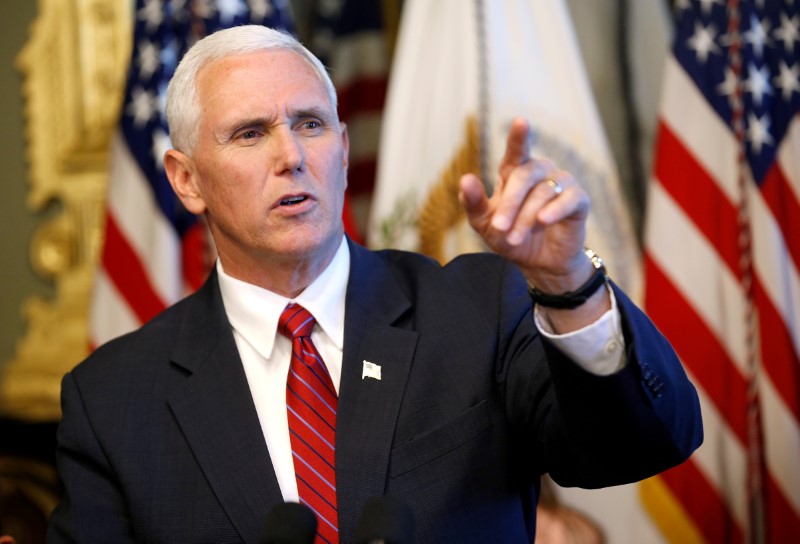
[
  {"x": 151, "y": 341},
  {"x": 475, "y": 262},
  {"x": 404, "y": 259},
  {"x": 475, "y": 272}
]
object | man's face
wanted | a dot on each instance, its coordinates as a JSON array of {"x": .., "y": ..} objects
[{"x": 270, "y": 165}]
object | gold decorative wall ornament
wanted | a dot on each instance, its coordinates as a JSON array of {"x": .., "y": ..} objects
[
  {"x": 437, "y": 217},
  {"x": 441, "y": 213},
  {"x": 74, "y": 67}
]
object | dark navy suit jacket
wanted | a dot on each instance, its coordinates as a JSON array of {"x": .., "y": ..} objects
[{"x": 160, "y": 441}]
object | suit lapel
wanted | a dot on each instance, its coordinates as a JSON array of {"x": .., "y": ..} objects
[
  {"x": 368, "y": 407},
  {"x": 215, "y": 411}
]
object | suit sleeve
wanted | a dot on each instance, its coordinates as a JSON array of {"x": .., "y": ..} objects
[
  {"x": 92, "y": 508},
  {"x": 595, "y": 431}
]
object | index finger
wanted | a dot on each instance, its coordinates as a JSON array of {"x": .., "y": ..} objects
[{"x": 517, "y": 147}]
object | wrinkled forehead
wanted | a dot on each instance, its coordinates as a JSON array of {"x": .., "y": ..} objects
[{"x": 269, "y": 68}]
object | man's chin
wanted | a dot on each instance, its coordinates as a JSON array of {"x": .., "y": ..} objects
[{"x": 310, "y": 245}]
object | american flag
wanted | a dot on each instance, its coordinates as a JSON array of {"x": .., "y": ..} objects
[
  {"x": 154, "y": 252},
  {"x": 354, "y": 38},
  {"x": 722, "y": 265}
]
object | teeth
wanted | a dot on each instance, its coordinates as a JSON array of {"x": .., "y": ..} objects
[{"x": 292, "y": 200}]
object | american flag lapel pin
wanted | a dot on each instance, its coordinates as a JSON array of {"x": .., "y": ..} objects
[{"x": 371, "y": 370}]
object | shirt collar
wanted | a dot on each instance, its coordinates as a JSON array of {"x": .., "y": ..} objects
[{"x": 254, "y": 311}]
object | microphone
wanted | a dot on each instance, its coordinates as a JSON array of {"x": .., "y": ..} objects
[
  {"x": 385, "y": 520},
  {"x": 289, "y": 523}
]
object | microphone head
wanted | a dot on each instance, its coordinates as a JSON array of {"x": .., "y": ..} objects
[
  {"x": 289, "y": 523},
  {"x": 385, "y": 520}
]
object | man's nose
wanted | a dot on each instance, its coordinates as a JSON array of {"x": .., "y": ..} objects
[{"x": 287, "y": 153}]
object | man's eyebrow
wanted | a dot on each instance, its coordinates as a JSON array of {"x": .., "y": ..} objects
[
  {"x": 314, "y": 111},
  {"x": 232, "y": 128}
]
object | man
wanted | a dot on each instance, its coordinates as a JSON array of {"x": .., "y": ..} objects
[{"x": 439, "y": 387}]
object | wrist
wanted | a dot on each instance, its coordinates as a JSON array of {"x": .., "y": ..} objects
[{"x": 595, "y": 278}]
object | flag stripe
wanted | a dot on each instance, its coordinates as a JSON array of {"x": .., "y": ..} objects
[
  {"x": 364, "y": 129},
  {"x": 699, "y": 196},
  {"x": 781, "y": 440},
  {"x": 140, "y": 221},
  {"x": 784, "y": 208},
  {"x": 364, "y": 95},
  {"x": 700, "y": 349},
  {"x": 111, "y": 314},
  {"x": 669, "y": 512},
  {"x": 703, "y": 504},
  {"x": 710, "y": 485},
  {"x": 361, "y": 177},
  {"x": 685, "y": 112},
  {"x": 780, "y": 359},
  {"x": 196, "y": 259},
  {"x": 723, "y": 397},
  {"x": 789, "y": 160},
  {"x": 784, "y": 521},
  {"x": 722, "y": 459},
  {"x": 728, "y": 171},
  {"x": 780, "y": 284},
  {"x": 685, "y": 258},
  {"x": 361, "y": 31},
  {"x": 123, "y": 266},
  {"x": 360, "y": 55}
]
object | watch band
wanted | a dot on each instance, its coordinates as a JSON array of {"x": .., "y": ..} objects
[{"x": 573, "y": 299}]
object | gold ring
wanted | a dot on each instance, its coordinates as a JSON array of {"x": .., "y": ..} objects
[{"x": 555, "y": 185}]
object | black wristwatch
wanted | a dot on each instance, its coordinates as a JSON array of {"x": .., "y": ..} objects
[{"x": 573, "y": 299}]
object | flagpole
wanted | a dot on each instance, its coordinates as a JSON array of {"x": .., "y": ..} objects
[{"x": 483, "y": 95}]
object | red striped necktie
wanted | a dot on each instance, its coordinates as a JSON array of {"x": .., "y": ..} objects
[{"x": 311, "y": 404}]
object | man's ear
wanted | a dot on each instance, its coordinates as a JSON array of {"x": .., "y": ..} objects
[{"x": 183, "y": 178}]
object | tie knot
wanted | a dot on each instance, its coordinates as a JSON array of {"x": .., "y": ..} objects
[{"x": 296, "y": 322}]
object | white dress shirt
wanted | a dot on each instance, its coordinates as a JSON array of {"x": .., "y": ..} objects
[{"x": 253, "y": 313}]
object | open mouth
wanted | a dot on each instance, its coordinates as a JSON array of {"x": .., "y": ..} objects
[{"x": 291, "y": 201}]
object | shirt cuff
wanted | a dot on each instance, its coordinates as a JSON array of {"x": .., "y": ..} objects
[{"x": 598, "y": 348}]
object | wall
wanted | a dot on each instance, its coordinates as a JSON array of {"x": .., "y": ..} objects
[{"x": 17, "y": 222}]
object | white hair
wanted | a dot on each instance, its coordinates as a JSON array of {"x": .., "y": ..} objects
[{"x": 183, "y": 108}]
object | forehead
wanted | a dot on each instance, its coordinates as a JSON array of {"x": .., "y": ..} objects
[{"x": 276, "y": 74}]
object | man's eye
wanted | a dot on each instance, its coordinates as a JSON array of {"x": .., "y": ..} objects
[
  {"x": 311, "y": 125},
  {"x": 248, "y": 134}
]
